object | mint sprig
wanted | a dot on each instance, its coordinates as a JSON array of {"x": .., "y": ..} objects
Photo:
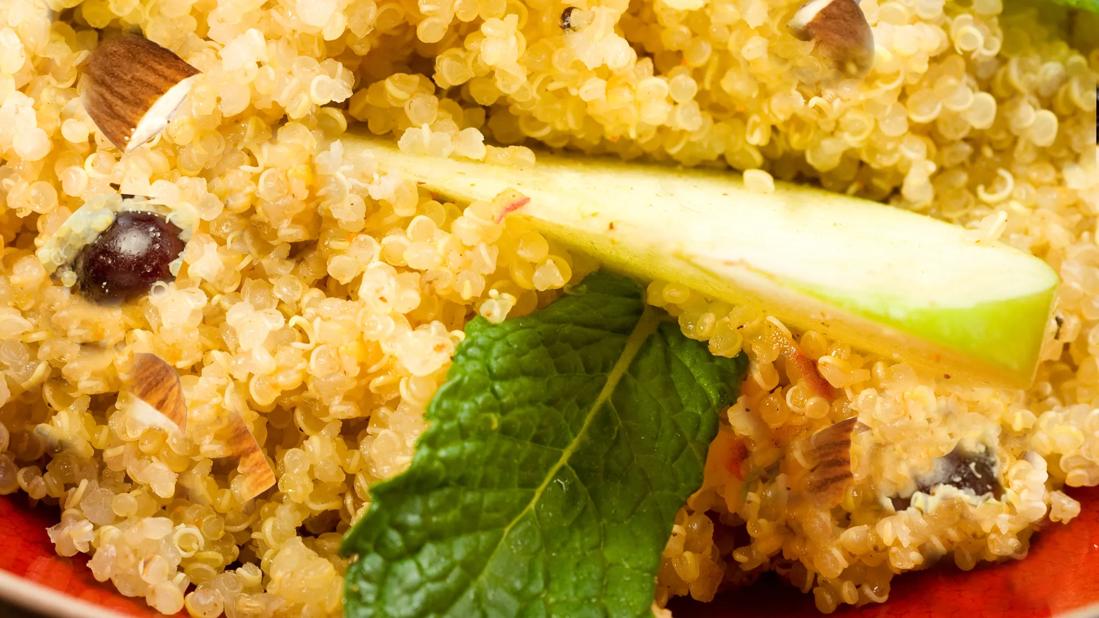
[{"x": 558, "y": 452}]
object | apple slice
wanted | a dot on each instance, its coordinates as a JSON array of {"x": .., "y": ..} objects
[{"x": 880, "y": 278}]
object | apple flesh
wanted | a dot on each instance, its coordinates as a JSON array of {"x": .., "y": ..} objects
[{"x": 883, "y": 279}]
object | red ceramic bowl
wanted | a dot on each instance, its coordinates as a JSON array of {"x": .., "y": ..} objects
[{"x": 1060, "y": 578}]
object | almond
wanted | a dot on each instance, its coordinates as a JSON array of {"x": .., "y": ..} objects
[
  {"x": 840, "y": 31},
  {"x": 251, "y": 462},
  {"x": 132, "y": 88},
  {"x": 156, "y": 383},
  {"x": 831, "y": 473}
]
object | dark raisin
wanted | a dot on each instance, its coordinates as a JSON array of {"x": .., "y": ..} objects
[
  {"x": 975, "y": 472},
  {"x": 128, "y": 257},
  {"x": 566, "y": 18}
]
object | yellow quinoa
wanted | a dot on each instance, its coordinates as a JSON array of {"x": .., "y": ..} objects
[{"x": 321, "y": 300}]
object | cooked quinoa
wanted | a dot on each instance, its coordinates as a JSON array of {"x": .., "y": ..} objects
[{"x": 320, "y": 301}]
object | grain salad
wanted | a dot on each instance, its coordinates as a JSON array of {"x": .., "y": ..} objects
[{"x": 311, "y": 303}]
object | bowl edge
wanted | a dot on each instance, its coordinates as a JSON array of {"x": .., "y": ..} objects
[{"x": 38, "y": 598}]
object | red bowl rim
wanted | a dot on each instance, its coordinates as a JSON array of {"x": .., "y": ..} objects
[
  {"x": 36, "y": 597},
  {"x": 50, "y": 602},
  {"x": 1088, "y": 611}
]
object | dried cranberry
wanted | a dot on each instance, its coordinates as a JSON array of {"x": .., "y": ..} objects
[{"x": 128, "y": 258}]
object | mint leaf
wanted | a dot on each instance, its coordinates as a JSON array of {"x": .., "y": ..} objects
[
  {"x": 1083, "y": 5},
  {"x": 558, "y": 452}
]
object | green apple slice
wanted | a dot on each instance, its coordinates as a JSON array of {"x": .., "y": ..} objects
[{"x": 880, "y": 278}]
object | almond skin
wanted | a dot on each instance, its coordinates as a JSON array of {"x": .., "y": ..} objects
[
  {"x": 840, "y": 31},
  {"x": 156, "y": 383},
  {"x": 251, "y": 462},
  {"x": 831, "y": 473},
  {"x": 125, "y": 77}
]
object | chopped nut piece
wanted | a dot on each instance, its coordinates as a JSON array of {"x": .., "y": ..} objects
[
  {"x": 840, "y": 31},
  {"x": 133, "y": 86},
  {"x": 831, "y": 451},
  {"x": 252, "y": 463},
  {"x": 156, "y": 383}
]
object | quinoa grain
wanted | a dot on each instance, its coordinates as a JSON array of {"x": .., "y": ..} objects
[{"x": 319, "y": 301}]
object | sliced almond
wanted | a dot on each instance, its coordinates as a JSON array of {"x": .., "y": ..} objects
[
  {"x": 133, "y": 86},
  {"x": 252, "y": 463},
  {"x": 840, "y": 31},
  {"x": 831, "y": 451},
  {"x": 156, "y": 383}
]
